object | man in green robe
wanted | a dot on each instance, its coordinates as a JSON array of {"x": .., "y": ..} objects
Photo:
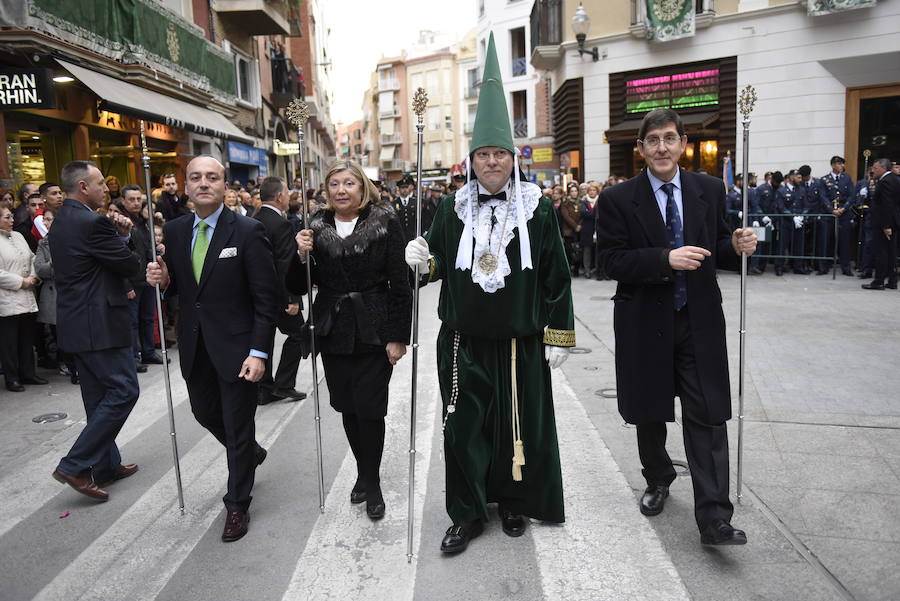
[{"x": 506, "y": 308}]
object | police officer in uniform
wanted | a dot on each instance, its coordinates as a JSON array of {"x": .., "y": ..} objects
[
  {"x": 405, "y": 207},
  {"x": 765, "y": 199},
  {"x": 838, "y": 197},
  {"x": 865, "y": 189},
  {"x": 789, "y": 205}
]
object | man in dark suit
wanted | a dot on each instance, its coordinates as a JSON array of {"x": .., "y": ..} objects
[
  {"x": 92, "y": 261},
  {"x": 662, "y": 234},
  {"x": 220, "y": 266},
  {"x": 885, "y": 215},
  {"x": 288, "y": 319}
]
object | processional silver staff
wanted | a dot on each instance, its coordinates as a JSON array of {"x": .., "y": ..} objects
[
  {"x": 298, "y": 114},
  {"x": 145, "y": 159},
  {"x": 420, "y": 101},
  {"x": 746, "y": 103}
]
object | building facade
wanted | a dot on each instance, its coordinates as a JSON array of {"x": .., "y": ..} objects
[
  {"x": 827, "y": 83},
  {"x": 205, "y": 78}
]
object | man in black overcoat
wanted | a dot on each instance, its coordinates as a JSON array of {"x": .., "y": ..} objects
[
  {"x": 885, "y": 215},
  {"x": 662, "y": 235},
  {"x": 93, "y": 257},
  {"x": 220, "y": 265}
]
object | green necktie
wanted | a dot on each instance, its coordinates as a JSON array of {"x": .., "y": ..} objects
[{"x": 201, "y": 245}]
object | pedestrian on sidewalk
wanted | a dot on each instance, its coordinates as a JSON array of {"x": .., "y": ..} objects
[
  {"x": 288, "y": 318},
  {"x": 93, "y": 257},
  {"x": 18, "y": 307},
  {"x": 662, "y": 235},
  {"x": 220, "y": 266},
  {"x": 507, "y": 318},
  {"x": 885, "y": 221},
  {"x": 363, "y": 312}
]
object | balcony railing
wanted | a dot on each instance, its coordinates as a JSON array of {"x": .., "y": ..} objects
[
  {"x": 286, "y": 84},
  {"x": 392, "y": 112},
  {"x": 129, "y": 32},
  {"x": 546, "y": 23},
  {"x": 520, "y": 128},
  {"x": 519, "y": 66},
  {"x": 396, "y": 164},
  {"x": 470, "y": 127},
  {"x": 392, "y": 139},
  {"x": 387, "y": 85}
]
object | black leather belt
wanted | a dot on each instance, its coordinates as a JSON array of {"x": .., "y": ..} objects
[{"x": 334, "y": 299}]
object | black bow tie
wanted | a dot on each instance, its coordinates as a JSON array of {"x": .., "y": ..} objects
[{"x": 486, "y": 197}]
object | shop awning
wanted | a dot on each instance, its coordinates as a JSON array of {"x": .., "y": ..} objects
[
  {"x": 123, "y": 97},
  {"x": 386, "y": 126},
  {"x": 627, "y": 130},
  {"x": 387, "y": 153}
]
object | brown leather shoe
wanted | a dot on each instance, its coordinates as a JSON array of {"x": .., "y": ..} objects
[
  {"x": 236, "y": 523},
  {"x": 123, "y": 471},
  {"x": 84, "y": 485}
]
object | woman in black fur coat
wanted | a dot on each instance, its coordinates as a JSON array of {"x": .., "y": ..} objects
[{"x": 363, "y": 312}]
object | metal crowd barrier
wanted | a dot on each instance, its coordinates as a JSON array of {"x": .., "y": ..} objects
[{"x": 783, "y": 243}]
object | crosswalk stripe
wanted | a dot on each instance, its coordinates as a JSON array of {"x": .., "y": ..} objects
[
  {"x": 347, "y": 553},
  {"x": 30, "y": 486},
  {"x": 619, "y": 556},
  {"x": 152, "y": 534}
]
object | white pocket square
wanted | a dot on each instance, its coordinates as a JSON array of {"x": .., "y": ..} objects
[{"x": 229, "y": 252}]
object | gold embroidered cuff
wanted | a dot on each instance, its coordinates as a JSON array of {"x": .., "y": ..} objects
[
  {"x": 432, "y": 269},
  {"x": 559, "y": 337}
]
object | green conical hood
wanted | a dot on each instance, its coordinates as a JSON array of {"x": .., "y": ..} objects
[{"x": 492, "y": 118}]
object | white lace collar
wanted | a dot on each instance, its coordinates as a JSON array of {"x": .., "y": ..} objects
[{"x": 478, "y": 237}]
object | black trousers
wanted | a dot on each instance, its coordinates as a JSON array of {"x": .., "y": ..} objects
[
  {"x": 17, "y": 346},
  {"x": 109, "y": 390},
  {"x": 286, "y": 374},
  {"x": 705, "y": 444},
  {"x": 227, "y": 409},
  {"x": 886, "y": 256}
]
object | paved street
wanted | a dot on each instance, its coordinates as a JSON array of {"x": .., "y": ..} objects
[{"x": 821, "y": 476}]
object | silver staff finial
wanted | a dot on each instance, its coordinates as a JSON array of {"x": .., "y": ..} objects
[
  {"x": 420, "y": 101},
  {"x": 298, "y": 113},
  {"x": 747, "y": 100}
]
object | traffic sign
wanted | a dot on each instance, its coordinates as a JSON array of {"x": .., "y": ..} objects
[{"x": 526, "y": 152}]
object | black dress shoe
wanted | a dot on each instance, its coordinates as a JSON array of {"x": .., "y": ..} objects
[
  {"x": 14, "y": 386},
  {"x": 513, "y": 524},
  {"x": 236, "y": 525},
  {"x": 289, "y": 394},
  {"x": 358, "y": 494},
  {"x": 847, "y": 272},
  {"x": 755, "y": 271},
  {"x": 720, "y": 532},
  {"x": 779, "y": 271},
  {"x": 73, "y": 378},
  {"x": 265, "y": 397},
  {"x": 892, "y": 286},
  {"x": 140, "y": 367},
  {"x": 654, "y": 499},
  {"x": 864, "y": 275},
  {"x": 873, "y": 286},
  {"x": 458, "y": 537},
  {"x": 34, "y": 380},
  {"x": 375, "y": 510},
  {"x": 153, "y": 359},
  {"x": 261, "y": 455}
]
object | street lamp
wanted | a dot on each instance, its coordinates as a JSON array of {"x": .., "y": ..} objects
[{"x": 581, "y": 24}]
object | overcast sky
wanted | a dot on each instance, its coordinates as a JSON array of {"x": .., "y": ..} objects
[{"x": 362, "y": 31}]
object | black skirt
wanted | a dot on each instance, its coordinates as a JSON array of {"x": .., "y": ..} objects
[{"x": 358, "y": 383}]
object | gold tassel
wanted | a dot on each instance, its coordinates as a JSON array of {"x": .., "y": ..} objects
[{"x": 518, "y": 459}]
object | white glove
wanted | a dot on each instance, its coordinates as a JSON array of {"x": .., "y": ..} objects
[
  {"x": 798, "y": 222},
  {"x": 756, "y": 224},
  {"x": 864, "y": 191},
  {"x": 417, "y": 254},
  {"x": 767, "y": 220},
  {"x": 740, "y": 214},
  {"x": 556, "y": 355}
]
